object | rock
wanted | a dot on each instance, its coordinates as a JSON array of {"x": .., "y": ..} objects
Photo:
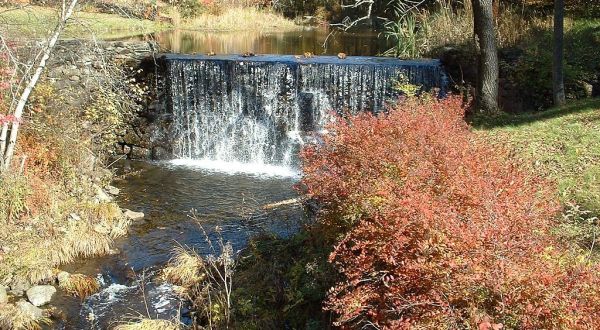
[
  {"x": 140, "y": 153},
  {"x": 19, "y": 286},
  {"x": 74, "y": 78},
  {"x": 126, "y": 149},
  {"x": 29, "y": 309},
  {"x": 62, "y": 277},
  {"x": 74, "y": 217},
  {"x": 102, "y": 229},
  {"x": 3, "y": 295},
  {"x": 132, "y": 215},
  {"x": 160, "y": 153},
  {"x": 40, "y": 294},
  {"x": 102, "y": 196},
  {"x": 113, "y": 190}
]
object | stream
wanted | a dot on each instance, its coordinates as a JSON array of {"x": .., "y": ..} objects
[{"x": 228, "y": 204}]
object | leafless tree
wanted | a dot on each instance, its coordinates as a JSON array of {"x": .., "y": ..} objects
[{"x": 8, "y": 142}]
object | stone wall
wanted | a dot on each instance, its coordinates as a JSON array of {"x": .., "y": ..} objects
[{"x": 83, "y": 68}]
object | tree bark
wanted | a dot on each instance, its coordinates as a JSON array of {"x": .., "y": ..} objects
[
  {"x": 488, "y": 72},
  {"x": 558, "y": 85},
  {"x": 66, "y": 13}
]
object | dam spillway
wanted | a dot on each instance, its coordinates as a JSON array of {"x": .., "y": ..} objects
[{"x": 258, "y": 110}]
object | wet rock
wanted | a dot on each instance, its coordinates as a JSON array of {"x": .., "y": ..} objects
[
  {"x": 140, "y": 153},
  {"x": 29, "y": 309},
  {"x": 113, "y": 190},
  {"x": 3, "y": 295},
  {"x": 19, "y": 286},
  {"x": 132, "y": 215},
  {"x": 160, "y": 153},
  {"x": 63, "y": 277},
  {"x": 40, "y": 294}
]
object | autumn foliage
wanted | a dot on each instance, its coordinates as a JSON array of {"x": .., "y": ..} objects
[{"x": 438, "y": 229}]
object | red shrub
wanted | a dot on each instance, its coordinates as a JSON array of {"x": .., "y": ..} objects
[{"x": 438, "y": 229}]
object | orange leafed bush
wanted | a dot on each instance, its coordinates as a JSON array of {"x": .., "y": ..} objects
[{"x": 440, "y": 230}]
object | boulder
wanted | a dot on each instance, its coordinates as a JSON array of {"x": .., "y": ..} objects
[
  {"x": 40, "y": 294},
  {"x": 132, "y": 215},
  {"x": 3, "y": 295},
  {"x": 27, "y": 308}
]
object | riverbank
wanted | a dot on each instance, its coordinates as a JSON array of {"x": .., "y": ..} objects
[
  {"x": 57, "y": 203},
  {"x": 28, "y": 22}
]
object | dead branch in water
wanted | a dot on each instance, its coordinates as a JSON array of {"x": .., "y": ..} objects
[{"x": 291, "y": 201}]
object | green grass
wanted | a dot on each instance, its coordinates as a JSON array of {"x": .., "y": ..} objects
[
  {"x": 562, "y": 143},
  {"x": 36, "y": 22}
]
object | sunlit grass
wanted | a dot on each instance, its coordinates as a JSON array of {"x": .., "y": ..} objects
[
  {"x": 562, "y": 143},
  {"x": 36, "y": 22}
]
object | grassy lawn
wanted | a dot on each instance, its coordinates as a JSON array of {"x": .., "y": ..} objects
[
  {"x": 34, "y": 21},
  {"x": 563, "y": 143}
]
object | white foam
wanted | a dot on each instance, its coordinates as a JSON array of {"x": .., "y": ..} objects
[{"x": 238, "y": 167}]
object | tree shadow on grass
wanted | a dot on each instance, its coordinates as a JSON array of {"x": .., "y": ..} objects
[{"x": 484, "y": 121}]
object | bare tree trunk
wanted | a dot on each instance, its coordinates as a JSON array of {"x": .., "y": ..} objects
[
  {"x": 488, "y": 72},
  {"x": 66, "y": 13},
  {"x": 558, "y": 85},
  {"x": 3, "y": 136}
]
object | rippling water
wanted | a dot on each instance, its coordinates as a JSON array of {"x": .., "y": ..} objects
[{"x": 228, "y": 204}]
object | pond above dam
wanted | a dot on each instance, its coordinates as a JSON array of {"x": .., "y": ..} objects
[{"x": 317, "y": 40}]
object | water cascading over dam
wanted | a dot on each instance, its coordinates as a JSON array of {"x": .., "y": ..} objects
[{"x": 258, "y": 110}]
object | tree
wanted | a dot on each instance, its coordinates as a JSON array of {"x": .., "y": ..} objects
[
  {"x": 7, "y": 147},
  {"x": 558, "y": 85},
  {"x": 485, "y": 34}
]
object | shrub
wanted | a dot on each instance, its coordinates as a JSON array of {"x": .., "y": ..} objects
[{"x": 439, "y": 229}]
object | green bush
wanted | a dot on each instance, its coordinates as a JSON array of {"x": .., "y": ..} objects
[
  {"x": 532, "y": 72},
  {"x": 281, "y": 283}
]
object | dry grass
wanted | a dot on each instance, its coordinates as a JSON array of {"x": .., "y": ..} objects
[
  {"x": 240, "y": 19},
  {"x": 184, "y": 269},
  {"x": 148, "y": 324},
  {"x": 81, "y": 286},
  {"x": 513, "y": 25},
  {"x": 13, "y": 318}
]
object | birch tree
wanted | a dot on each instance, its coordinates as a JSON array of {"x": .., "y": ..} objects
[{"x": 10, "y": 128}]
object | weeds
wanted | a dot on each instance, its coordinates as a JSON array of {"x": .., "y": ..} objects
[
  {"x": 14, "y": 318},
  {"x": 80, "y": 285},
  {"x": 149, "y": 324},
  {"x": 207, "y": 281}
]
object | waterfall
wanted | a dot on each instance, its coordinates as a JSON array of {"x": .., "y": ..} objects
[{"x": 258, "y": 110}]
